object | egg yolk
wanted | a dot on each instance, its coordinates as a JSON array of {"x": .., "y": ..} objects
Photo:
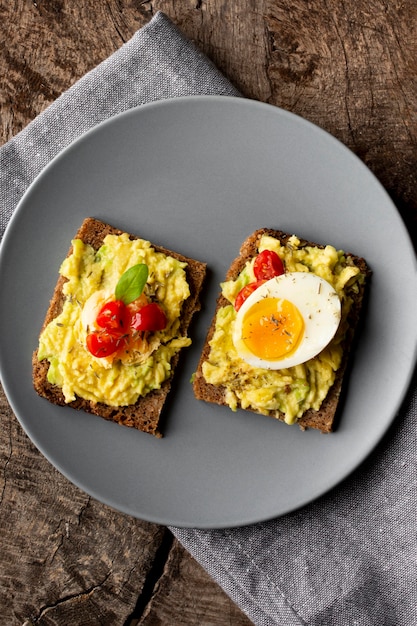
[{"x": 272, "y": 328}]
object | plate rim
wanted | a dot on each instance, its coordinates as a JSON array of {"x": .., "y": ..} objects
[{"x": 8, "y": 234}]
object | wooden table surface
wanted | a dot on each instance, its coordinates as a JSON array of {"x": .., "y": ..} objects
[{"x": 351, "y": 68}]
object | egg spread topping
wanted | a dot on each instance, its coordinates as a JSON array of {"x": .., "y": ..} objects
[
  {"x": 278, "y": 345},
  {"x": 119, "y": 328}
]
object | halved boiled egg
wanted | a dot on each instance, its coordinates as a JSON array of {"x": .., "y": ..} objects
[{"x": 286, "y": 321}]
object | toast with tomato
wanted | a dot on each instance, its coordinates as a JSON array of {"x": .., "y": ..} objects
[
  {"x": 114, "y": 329},
  {"x": 309, "y": 392}
]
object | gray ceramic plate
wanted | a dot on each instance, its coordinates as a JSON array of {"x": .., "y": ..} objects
[{"x": 198, "y": 175}]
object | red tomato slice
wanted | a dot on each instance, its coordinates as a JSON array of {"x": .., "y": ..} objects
[
  {"x": 114, "y": 317},
  {"x": 267, "y": 265},
  {"x": 245, "y": 292},
  {"x": 149, "y": 317},
  {"x": 102, "y": 344}
]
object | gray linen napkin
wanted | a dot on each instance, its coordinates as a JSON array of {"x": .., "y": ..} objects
[{"x": 350, "y": 558}]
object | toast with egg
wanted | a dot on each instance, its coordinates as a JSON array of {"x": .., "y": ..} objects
[
  {"x": 145, "y": 413},
  {"x": 321, "y": 417}
]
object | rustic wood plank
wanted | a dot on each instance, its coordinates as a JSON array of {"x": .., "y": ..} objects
[
  {"x": 349, "y": 67},
  {"x": 64, "y": 556},
  {"x": 49, "y": 44},
  {"x": 186, "y": 592}
]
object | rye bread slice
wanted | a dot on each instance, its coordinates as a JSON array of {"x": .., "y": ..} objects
[
  {"x": 324, "y": 418},
  {"x": 146, "y": 413}
]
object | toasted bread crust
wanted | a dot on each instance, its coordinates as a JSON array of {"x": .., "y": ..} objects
[
  {"x": 324, "y": 418},
  {"x": 145, "y": 414}
]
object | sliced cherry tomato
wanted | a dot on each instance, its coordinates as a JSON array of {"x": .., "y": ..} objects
[
  {"x": 149, "y": 317},
  {"x": 245, "y": 292},
  {"x": 102, "y": 344},
  {"x": 137, "y": 304},
  {"x": 114, "y": 317},
  {"x": 267, "y": 265}
]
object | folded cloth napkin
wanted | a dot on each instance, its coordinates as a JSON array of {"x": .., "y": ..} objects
[{"x": 350, "y": 558}]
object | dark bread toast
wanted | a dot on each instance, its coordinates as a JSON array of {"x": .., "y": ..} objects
[
  {"x": 324, "y": 418},
  {"x": 145, "y": 414}
]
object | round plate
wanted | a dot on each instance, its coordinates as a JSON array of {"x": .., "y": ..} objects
[{"x": 198, "y": 175}]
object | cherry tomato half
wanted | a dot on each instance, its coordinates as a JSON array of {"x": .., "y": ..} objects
[
  {"x": 245, "y": 292},
  {"x": 114, "y": 317},
  {"x": 149, "y": 317},
  {"x": 267, "y": 265},
  {"x": 102, "y": 344}
]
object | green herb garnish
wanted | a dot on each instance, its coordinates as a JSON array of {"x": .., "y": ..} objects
[{"x": 132, "y": 283}]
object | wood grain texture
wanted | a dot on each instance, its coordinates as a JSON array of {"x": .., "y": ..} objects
[
  {"x": 49, "y": 44},
  {"x": 351, "y": 68},
  {"x": 65, "y": 558},
  {"x": 184, "y": 596}
]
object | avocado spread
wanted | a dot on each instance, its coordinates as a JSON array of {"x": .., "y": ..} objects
[
  {"x": 294, "y": 390},
  {"x": 121, "y": 381}
]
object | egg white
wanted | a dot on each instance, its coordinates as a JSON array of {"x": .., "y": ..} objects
[
  {"x": 92, "y": 308},
  {"x": 318, "y": 304}
]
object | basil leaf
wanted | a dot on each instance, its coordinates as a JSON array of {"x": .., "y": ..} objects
[{"x": 131, "y": 283}]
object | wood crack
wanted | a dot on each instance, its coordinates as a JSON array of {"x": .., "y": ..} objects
[
  {"x": 347, "y": 75},
  {"x": 115, "y": 25},
  {"x": 83, "y": 509},
  {"x": 153, "y": 576},
  {"x": 6, "y": 464},
  {"x": 399, "y": 82},
  {"x": 86, "y": 594}
]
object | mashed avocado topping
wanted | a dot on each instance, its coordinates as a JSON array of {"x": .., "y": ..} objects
[
  {"x": 113, "y": 381},
  {"x": 293, "y": 390}
]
